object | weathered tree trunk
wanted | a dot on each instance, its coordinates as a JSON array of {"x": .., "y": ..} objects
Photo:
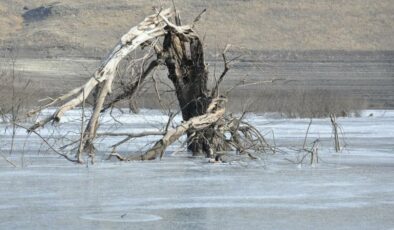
[{"x": 186, "y": 69}]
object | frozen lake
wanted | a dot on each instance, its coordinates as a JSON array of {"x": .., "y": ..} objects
[{"x": 349, "y": 190}]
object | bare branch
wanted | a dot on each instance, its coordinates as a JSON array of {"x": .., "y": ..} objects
[
  {"x": 306, "y": 134},
  {"x": 215, "y": 90},
  {"x": 198, "y": 17},
  {"x": 8, "y": 161},
  {"x": 133, "y": 87},
  {"x": 131, "y": 135},
  {"x": 47, "y": 143}
]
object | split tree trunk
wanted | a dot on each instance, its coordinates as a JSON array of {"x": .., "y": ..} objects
[{"x": 151, "y": 28}]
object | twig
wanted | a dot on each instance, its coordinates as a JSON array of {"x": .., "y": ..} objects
[
  {"x": 198, "y": 17},
  {"x": 5, "y": 158},
  {"x": 157, "y": 91},
  {"x": 177, "y": 16},
  {"x": 133, "y": 135},
  {"x": 225, "y": 70},
  {"x": 80, "y": 149},
  {"x": 306, "y": 134},
  {"x": 47, "y": 143},
  {"x": 129, "y": 136}
]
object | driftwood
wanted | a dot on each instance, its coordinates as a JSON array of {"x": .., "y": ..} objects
[{"x": 208, "y": 128}]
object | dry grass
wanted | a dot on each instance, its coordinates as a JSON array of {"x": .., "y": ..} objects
[
  {"x": 252, "y": 24},
  {"x": 10, "y": 23},
  {"x": 293, "y": 102},
  {"x": 16, "y": 97},
  {"x": 290, "y": 102}
]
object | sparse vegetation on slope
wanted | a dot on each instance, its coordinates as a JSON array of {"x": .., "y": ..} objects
[{"x": 254, "y": 24}]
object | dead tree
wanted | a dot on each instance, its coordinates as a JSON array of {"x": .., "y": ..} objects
[{"x": 180, "y": 49}]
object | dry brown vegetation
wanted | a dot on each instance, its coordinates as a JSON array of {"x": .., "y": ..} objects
[
  {"x": 252, "y": 24},
  {"x": 16, "y": 92},
  {"x": 10, "y": 22}
]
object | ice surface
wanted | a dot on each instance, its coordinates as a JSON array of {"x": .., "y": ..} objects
[{"x": 353, "y": 189}]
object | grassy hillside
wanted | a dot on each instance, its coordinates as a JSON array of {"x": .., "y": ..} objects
[{"x": 94, "y": 26}]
